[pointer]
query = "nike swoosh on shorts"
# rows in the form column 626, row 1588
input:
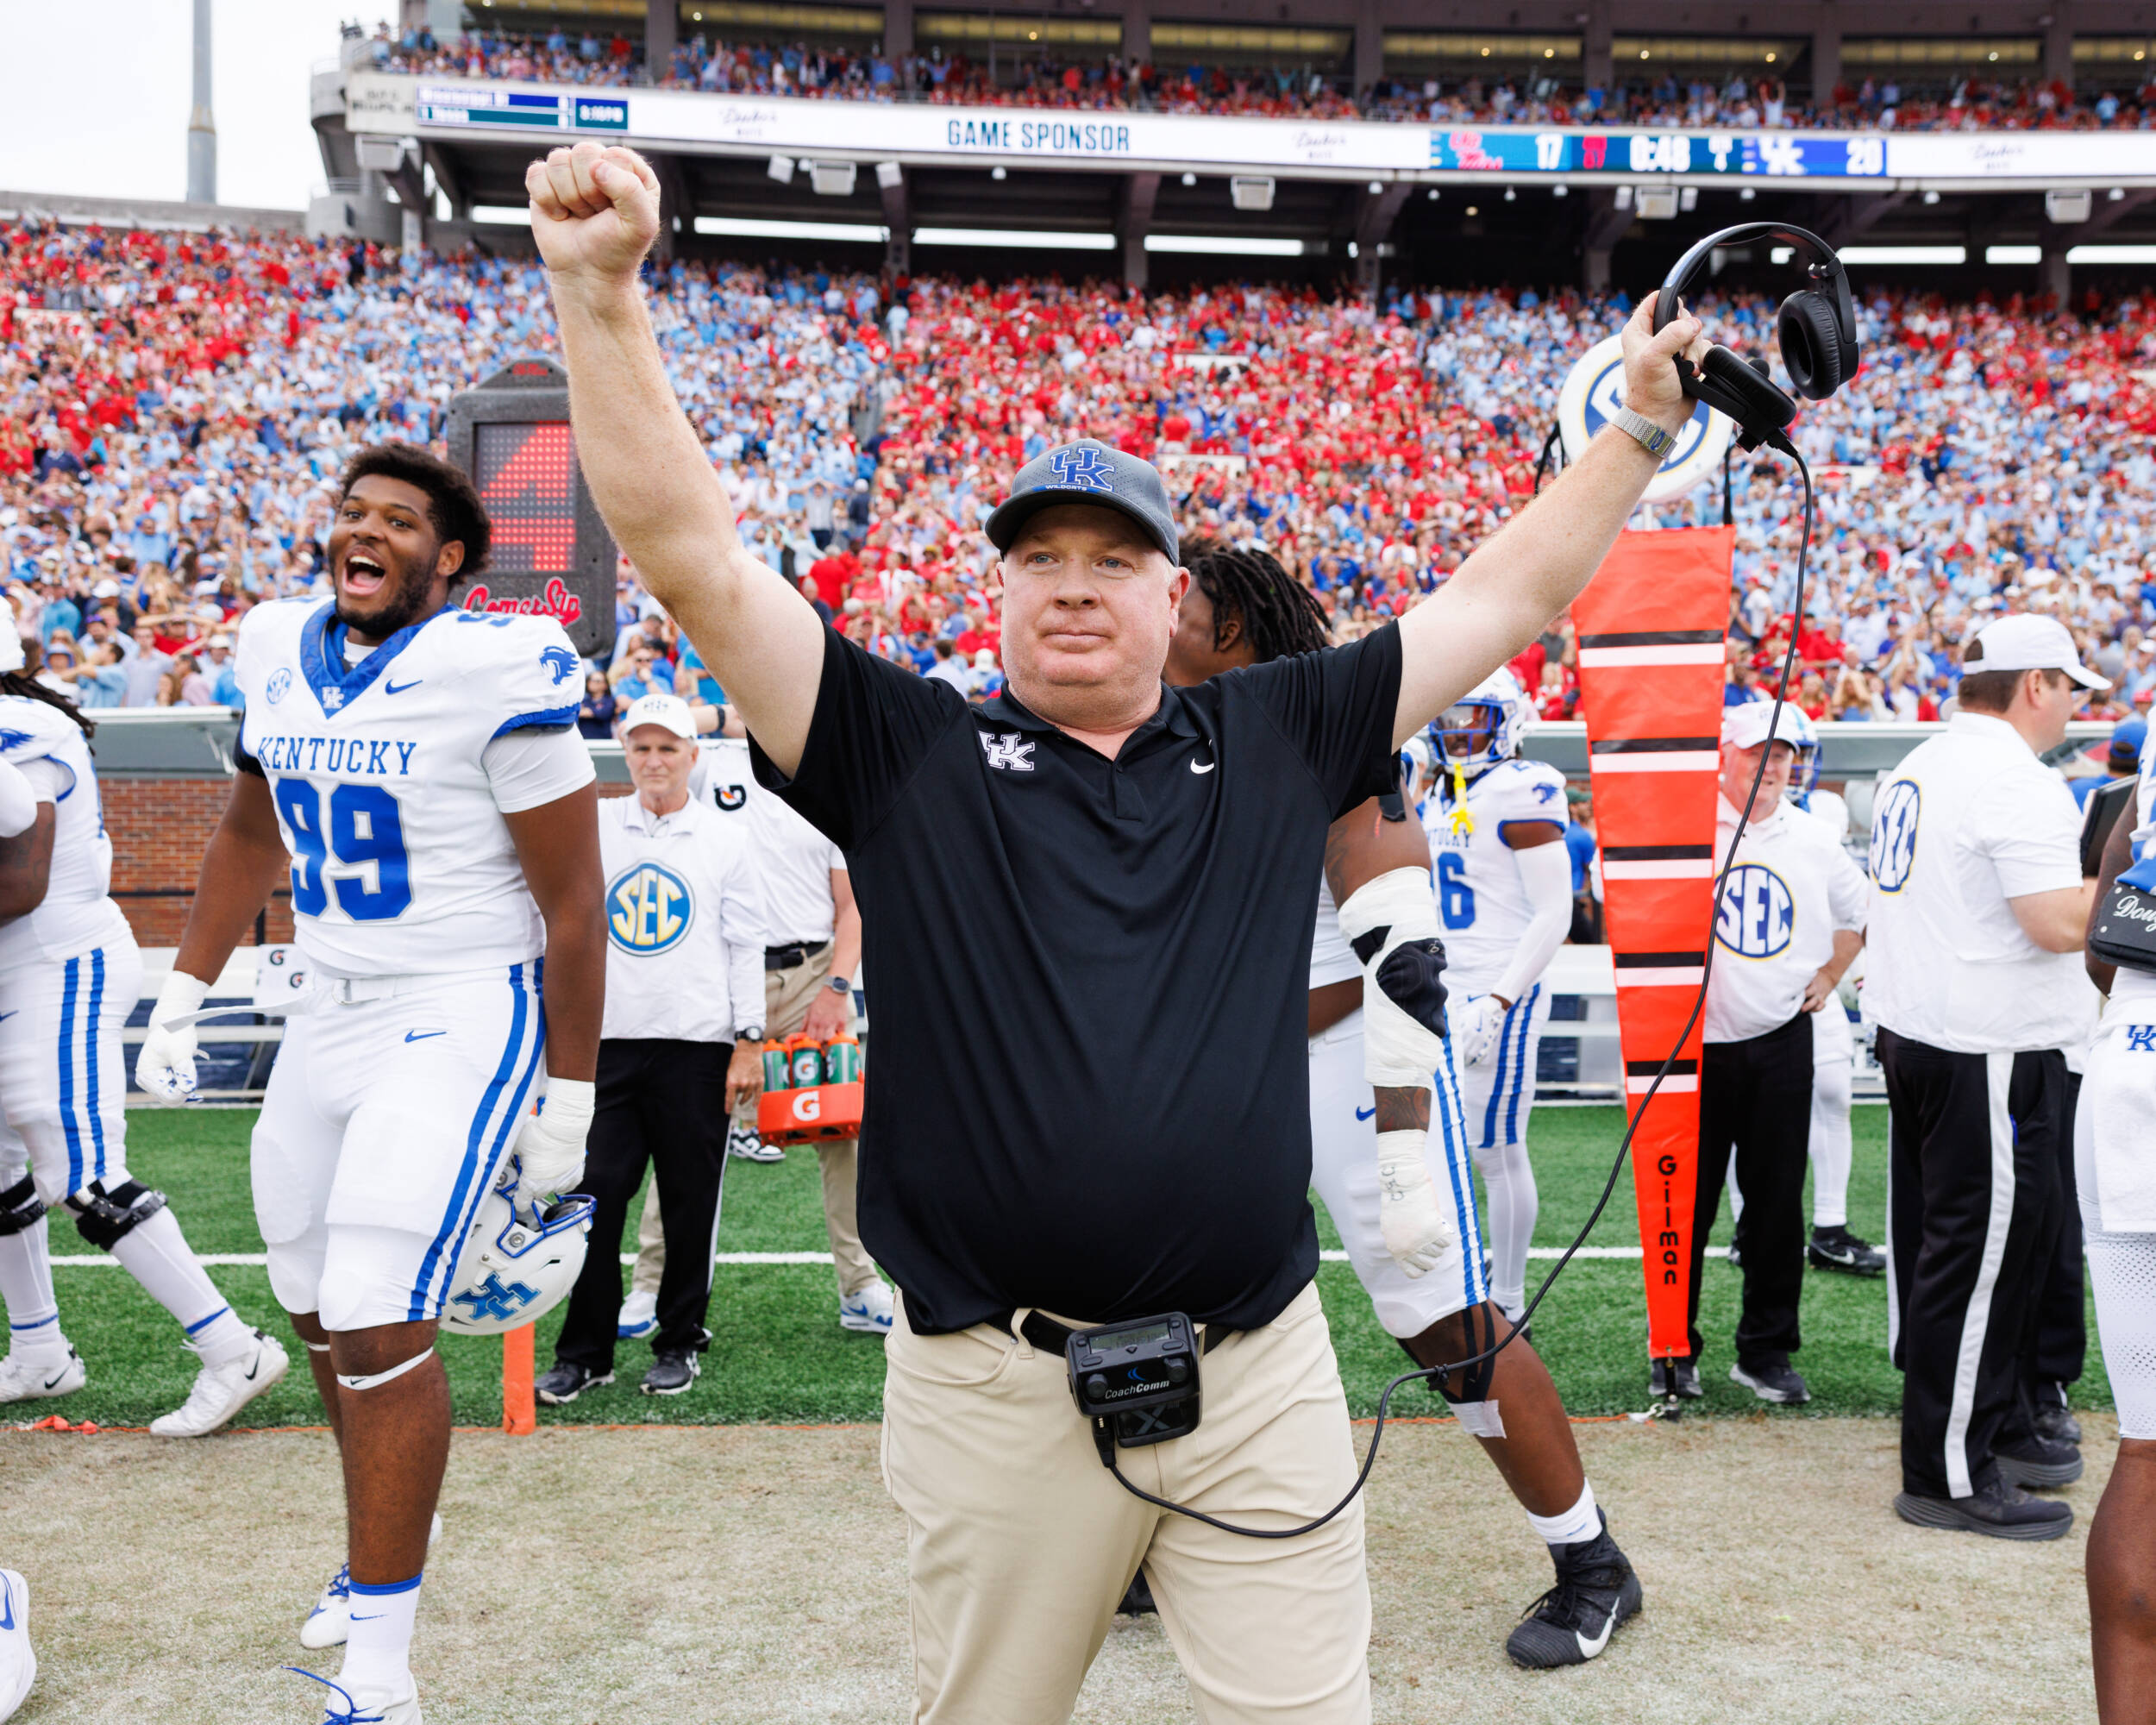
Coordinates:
column 421, row 1035
column 1207, row 767
column 1365, row 1114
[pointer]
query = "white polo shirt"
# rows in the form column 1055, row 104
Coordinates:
column 793, row 861
column 685, row 928
column 1791, row 886
column 1971, row 820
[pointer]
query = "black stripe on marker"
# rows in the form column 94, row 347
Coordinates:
column 1658, row 853
column 1652, row 745
column 1647, row 1069
column 1657, row 961
column 1655, row 637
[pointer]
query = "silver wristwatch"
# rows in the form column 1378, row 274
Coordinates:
column 1650, row 437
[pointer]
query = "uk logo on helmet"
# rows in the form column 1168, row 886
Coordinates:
column 493, row 1301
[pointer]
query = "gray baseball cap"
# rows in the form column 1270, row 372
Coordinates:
column 1087, row 471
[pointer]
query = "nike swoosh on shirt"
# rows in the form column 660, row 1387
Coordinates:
column 376, row 1618
column 5, row 1016
column 1207, row 767
column 1365, row 1114
column 389, row 688
column 421, row 1035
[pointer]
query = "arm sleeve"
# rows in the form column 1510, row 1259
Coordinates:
column 1336, row 709
column 18, row 802
column 874, row 726
column 745, row 934
column 529, row 767
column 1545, row 871
column 2031, row 830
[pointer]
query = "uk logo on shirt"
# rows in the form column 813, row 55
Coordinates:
column 1078, row 469
column 1008, row 752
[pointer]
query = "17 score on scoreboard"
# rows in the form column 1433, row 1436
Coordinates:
column 552, row 555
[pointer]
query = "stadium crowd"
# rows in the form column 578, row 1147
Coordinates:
column 1036, row 78
column 175, row 405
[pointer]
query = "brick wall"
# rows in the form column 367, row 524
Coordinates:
column 159, row 829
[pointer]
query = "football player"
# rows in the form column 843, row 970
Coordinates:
column 414, row 770
column 1393, row 1167
column 69, row 976
column 1496, row 825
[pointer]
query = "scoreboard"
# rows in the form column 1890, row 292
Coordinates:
column 552, row 554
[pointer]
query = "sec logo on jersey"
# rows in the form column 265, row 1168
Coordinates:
column 1893, row 835
column 280, row 684
column 649, row 909
column 1757, row 914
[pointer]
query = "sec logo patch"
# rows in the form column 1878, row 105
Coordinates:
column 280, row 685
column 649, row 909
column 1894, row 834
column 1757, row 914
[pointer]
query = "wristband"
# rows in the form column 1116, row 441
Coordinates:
column 178, row 1002
column 568, row 1100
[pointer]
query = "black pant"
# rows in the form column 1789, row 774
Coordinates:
column 2060, row 1346
column 1755, row 1097
column 664, row 1103
column 1972, row 1220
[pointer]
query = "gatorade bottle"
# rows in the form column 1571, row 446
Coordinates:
column 842, row 1060
column 777, row 1069
column 805, row 1060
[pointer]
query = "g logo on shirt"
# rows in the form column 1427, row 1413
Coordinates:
column 649, row 909
column 1893, row 835
column 280, row 685
column 730, row 796
column 1757, row 914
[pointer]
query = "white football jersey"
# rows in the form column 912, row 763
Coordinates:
column 76, row 913
column 1483, row 907
column 402, row 863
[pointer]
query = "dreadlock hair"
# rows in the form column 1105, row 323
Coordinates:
column 452, row 505
column 1280, row 615
column 24, row 684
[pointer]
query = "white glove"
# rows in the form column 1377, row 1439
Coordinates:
column 550, row 1148
column 1476, row 1025
column 165, row 1067
column 1418, row 1231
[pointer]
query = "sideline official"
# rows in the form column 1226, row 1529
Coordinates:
column 1977, row 909
column 1087, row 907
column 1787, row 919
column 685, row 940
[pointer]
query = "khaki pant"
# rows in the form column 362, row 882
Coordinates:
column 787, row 995
column 1020, row 1543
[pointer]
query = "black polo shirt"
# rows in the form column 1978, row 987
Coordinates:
column 1091, row 1083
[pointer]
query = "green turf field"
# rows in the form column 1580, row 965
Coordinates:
column 779, row 1356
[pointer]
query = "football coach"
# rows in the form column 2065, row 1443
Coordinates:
column 1087, row 909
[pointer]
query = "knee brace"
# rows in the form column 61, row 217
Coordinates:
column 104, row 1219
column 1391, row 923
column 20, row 1207
column 1470, row 1401
column 374, row 1380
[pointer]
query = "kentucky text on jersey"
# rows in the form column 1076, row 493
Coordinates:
column 352, row 756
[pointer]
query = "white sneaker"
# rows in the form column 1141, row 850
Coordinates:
column 399, row 1706
column 220, row 1391
column 25, row 1380
column 639, row 1315
column 329, row 1624
column 745, row 1144
column 869, row 1310
column 18, row 1662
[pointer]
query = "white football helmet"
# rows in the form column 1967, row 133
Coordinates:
column 1804, row 777
column 510, row 1270
column 1482, row 729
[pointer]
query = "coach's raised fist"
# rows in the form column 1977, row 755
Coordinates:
column 594, row 211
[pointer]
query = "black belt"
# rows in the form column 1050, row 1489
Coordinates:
column 1050, row 1337
column 786, row 957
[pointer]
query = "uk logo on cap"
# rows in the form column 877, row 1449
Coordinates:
column 1082, row 469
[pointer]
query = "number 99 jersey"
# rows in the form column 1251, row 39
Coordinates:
column 1482, row 904
column 391, row 776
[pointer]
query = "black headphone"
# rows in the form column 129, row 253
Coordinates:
column 1815, row 328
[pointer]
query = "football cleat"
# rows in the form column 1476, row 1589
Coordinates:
column 22, row 1379
column 18, row 1659
column 869, row 1310
column 366, row 1706
column 220, row 1391
column 1597, row 1590
column 1838, row 1249
column 639, row 1316
column 329, row 1623
column 514, row 1268
column 743, row 1145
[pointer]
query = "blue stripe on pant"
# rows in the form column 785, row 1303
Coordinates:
column 71, row 978
column 1452, row 1117
column 1513, row 1075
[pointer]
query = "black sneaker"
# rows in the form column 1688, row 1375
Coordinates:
column 1839, row 1249
column 1596, row 1590
column 1781, row 1383
column 672, row 1371
column 1998, row 1510
column 1137, row 1598
column 2054, row 1424
column 1669, row 1377
column 563, row 1382
column 2031, row 1460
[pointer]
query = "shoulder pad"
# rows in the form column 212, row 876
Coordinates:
column 29, row 729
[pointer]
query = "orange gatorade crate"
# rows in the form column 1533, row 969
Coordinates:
column 802, row 1116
